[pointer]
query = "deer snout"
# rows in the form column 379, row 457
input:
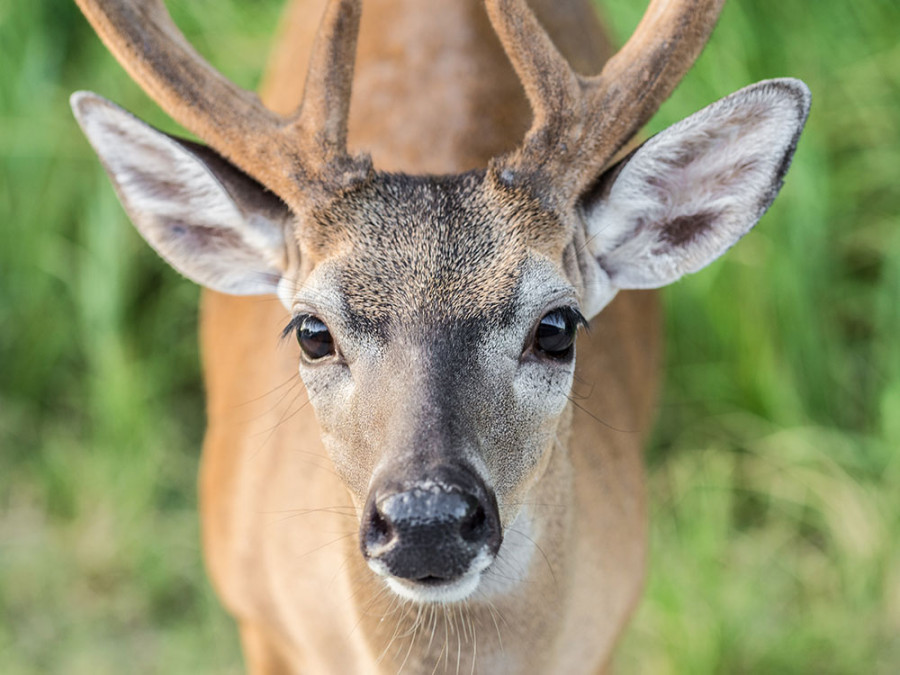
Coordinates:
column 432, row 532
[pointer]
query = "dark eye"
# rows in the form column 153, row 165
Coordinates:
column 314, row 338
column 555, row 334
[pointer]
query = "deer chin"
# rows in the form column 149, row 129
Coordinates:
column 437, row 591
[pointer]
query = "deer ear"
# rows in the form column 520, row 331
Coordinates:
column 689, row 193
column 211, row 222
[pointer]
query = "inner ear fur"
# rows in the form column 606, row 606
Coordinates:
column 210, row 221
column 686, row 195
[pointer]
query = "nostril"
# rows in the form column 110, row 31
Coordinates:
column 379, row 531
column 474, row 525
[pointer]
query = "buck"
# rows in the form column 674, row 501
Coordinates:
column 447, row 501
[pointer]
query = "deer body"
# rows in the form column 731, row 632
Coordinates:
column 449, row 500
column 284, row 576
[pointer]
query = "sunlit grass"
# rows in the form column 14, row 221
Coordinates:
column 774, row 474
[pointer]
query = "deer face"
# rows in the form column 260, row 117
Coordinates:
column 437, row 347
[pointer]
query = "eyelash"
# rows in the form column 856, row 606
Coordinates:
column 575, row 317
column 293, row 326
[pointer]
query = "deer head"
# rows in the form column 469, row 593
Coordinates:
column 437, row 315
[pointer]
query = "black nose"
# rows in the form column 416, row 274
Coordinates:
column 431, row 531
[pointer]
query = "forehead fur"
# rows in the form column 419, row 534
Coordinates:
column 431, row 249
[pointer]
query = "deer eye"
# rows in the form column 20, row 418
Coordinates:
column 555, row 334
column 314, row 338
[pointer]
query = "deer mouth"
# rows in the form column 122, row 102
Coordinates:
column 436, row 589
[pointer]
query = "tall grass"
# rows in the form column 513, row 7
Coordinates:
column 774, row 474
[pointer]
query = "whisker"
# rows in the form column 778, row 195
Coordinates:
column 433, row 627
column 437, row 661
column 293, row 380
column 284, row 417
column 474, row 640
column 348, row 509
column 326, row 544
column 458, row 644
column 492, row 610
column 603, row 422
column 306, row 512
column 541, row 550
column 548, row 505
column 412, row 639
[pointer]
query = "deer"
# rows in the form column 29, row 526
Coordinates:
column 406, row 467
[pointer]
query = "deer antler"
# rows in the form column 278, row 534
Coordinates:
column 274, row 150
column 581, row 122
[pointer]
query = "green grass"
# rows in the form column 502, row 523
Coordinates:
column 774, row 474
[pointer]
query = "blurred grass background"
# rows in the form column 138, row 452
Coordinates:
column 774, row 473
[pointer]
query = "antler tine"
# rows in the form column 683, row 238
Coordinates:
column 325, row 108
column 581, row 122
column 550, row 84
column 273, row 150
column 663, row 47
column 145, row 41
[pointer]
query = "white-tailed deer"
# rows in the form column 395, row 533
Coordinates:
column 446, row 502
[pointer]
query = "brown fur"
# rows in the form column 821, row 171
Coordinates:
column 420, row 246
